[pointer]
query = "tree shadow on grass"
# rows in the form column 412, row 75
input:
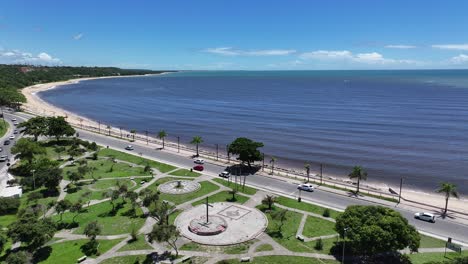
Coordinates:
column 65, row 225
column 90, row 248
column 42, row 254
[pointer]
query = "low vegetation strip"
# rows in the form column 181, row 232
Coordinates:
column 185, row 173
column 292, row 203
column 242, row 189
column 162, row 167
column 206, row 188
column 224, row 196
column 315, row 227
column 3, row 128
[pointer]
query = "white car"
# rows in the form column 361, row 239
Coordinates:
column 199, row 161
column 3, row 158
column 15, row 123
column 224, row 174
column 15, row 132
column 306, row 187
column 129, row 147
column 12, row 137
column 425, row 217
column 13, row 119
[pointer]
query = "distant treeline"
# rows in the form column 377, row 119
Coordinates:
column 19, row 76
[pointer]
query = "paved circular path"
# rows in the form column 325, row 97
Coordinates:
column 243, row 223
column 173, row 187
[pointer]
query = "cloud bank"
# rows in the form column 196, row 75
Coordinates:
column 228, row 51
column 18, row 57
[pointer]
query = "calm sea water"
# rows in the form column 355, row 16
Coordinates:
column 410, row 124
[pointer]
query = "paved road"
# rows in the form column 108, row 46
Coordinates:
column 443, row 228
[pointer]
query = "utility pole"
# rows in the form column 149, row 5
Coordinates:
column 146, row 133
column 263, row 161
column 216, row 152
column 207, row 206
column 178, row 144
column 120, row 128
column 99, row 127
column 344, row 241
column 229, row 156
column 401, row 185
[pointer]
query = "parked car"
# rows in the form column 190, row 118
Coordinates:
column 425, row 217
column 306, row 187
column 15, row 123
column 199, row 161
column 224, row 174
column 13, row 119
column 1, row 149
column 3, row 158
column 15, row 132
column 6, row 142
column 12, row 137
column 198, row 168
column 129, row 147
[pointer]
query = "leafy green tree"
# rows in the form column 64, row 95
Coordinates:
column 160, row 210
column 196, row 140
column 133, row 197
column 358, row 173
column 74, row 152
column 133, row 131
column 59, row 150
column 50, row 178
column 246, row 149
column 59, row 127
column 165, row 233
column 9, row 205
column 371, row 230
column 10, row 96
column 162, row 135
column 26, row 149
column 113, row 195
column 92, row 230
column 148, row 196
column 3, row 241
column 32, row 231
column 74, row 176
column 76, row 209
column 450, row 190
column 269, row 200
column 36, row 126
column 61, row 207
column 19, row 257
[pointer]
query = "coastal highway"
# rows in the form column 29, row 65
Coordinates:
column 443, row 227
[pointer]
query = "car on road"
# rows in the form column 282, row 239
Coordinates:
column 6, row 142
column 15, row 123
column 3, row 158
column 198, row 168
column 13, row 119
column 425, row 217
column 199, row 161
column 1, row 149
column 12, row 137
column 306, row 187
column 15, row 132
column 224, row 174
column 129, row 147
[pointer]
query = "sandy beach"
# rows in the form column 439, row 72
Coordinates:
column 38, row 106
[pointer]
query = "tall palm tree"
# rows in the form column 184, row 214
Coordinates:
column 449, row 189
column 360, row 174
column 272, row 161
column 133, row 131
column 161, row 135
column 307, row 167
column 197, row 140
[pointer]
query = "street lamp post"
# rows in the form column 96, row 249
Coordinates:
column 178, row 144
column 216, row 152
column 344, row 241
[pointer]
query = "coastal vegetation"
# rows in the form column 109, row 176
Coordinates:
column 358, row 173
column 3, row 128
column 449, row 190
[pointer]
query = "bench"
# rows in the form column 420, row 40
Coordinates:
column 185, row 259
column 300, row 238
column 83, row 258
column 245, row 259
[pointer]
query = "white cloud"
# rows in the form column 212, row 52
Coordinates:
column 400, row 47
column 228, row 51
column 349, row 57
column 451, row 46
column 460, row 59
column 18, row 57
column 78, row 36
column 327, row 54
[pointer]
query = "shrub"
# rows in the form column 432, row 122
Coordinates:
column 326, row 212
column 9, row 205
column 318, row 244
column 95, row 156
column 147, row 168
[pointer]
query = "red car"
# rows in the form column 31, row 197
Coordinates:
column 198, row 168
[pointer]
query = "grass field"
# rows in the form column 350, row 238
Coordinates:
column 70, row 251
column 206, row 188
column 224, row 196
column 140, row 243
column 185, row 173
column 264, row 247
column 315, row 227
column 97, row 189
column 420, row 258
column 292, row 203
column 283, row 260
column 126, row 260
column 247, row 190
column 106, row 168
column 174, row 215
column 162, row 167
column 430, row 242
column 3, row 128
column 120, row 223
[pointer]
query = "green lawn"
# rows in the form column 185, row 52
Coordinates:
column 6, row 220
column 25, row 202
column 206, row 187
column 293, row 203
column 233, row 249
column 70, row 251
column 430, row 242
column 420, row 258
column 284, row 259
column 126, row 260
column 185, row 172
column 162, row 167
column 315, row 227
column 174, row 215
column 111, row 225
column 140, row 243
column 3, row 128
column 97, row 189
column 223, row 196
column 264, row 247
column 287, row 236
column 247, row 190
column 106, row 168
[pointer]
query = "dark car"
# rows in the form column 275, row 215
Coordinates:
column 198, row 168
column 6, row 142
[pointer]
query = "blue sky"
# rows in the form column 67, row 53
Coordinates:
column 240, row 34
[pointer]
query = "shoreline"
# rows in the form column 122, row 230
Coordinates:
column 37, row 105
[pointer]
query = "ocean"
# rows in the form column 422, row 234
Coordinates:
column 396, row 124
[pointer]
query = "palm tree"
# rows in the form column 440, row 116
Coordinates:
column 108, row 129
column 449, row 189
column 307, row 167
column 161, row 135
column 272, row 161
column 269, row 200
column 133, row 131
column 197, row 140
column 360, row 174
